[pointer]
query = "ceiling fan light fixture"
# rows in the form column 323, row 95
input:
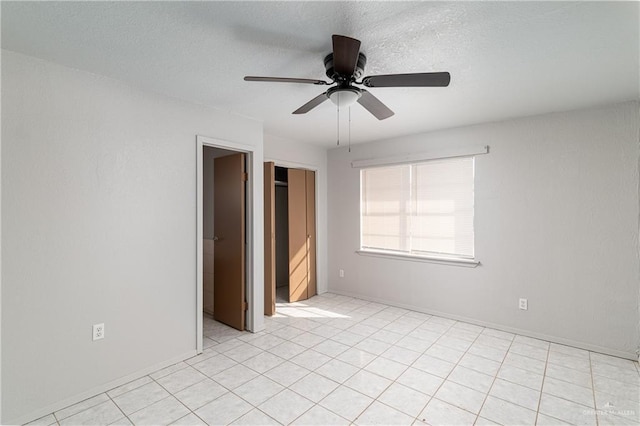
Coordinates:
column 344, row 97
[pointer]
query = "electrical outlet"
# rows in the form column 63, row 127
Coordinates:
column 98, row 331
column 523, row 304
column 341, row 273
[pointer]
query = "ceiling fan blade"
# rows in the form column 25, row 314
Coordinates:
column 285, row 80
column 425, row 79
column 345, row 54
column 374, row 106
column 311, row 104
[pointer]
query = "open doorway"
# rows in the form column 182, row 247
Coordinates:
column 290, row 235
column 224, row 239
column 224, row 225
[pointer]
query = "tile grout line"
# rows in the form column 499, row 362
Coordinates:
column 394, row 381
column 81, row 411
column 591, row 376
column 118, row 407
column 544, row 376
column 593, row 391
column 207, row 377
column 172, row 395
column 445, row 378
column 193, row 384
column 231, row 391
column 495, row 377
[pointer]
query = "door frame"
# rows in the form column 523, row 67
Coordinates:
column 250, row 232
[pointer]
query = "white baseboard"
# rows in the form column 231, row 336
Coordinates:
column 555, row 339
column 36, row 414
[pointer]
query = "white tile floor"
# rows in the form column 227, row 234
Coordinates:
column 336, row 360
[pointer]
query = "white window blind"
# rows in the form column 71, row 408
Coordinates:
column 421, row 209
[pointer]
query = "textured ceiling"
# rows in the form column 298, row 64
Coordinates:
column 506, row 59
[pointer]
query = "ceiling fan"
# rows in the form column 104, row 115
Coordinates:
column 344, row 66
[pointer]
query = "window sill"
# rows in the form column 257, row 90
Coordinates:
column 468, row 263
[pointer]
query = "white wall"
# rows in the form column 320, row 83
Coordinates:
column 556, row 221
column 99, row 225
column 288, row 153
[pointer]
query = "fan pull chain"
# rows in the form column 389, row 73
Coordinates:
column 338, row 121
column 349, row 129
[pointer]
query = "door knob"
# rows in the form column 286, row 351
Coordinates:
column 215, row 238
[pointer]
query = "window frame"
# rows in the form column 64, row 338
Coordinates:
column 431, row 257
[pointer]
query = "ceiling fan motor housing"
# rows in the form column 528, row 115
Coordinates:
column 333, row 75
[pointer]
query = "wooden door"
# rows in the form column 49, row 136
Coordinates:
column 298, row 259
column 311, row 231
column 229, row 229
column 269, row 239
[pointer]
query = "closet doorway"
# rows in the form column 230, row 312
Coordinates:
column 290, row 235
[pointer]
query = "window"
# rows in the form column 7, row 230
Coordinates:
column 422, row 209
